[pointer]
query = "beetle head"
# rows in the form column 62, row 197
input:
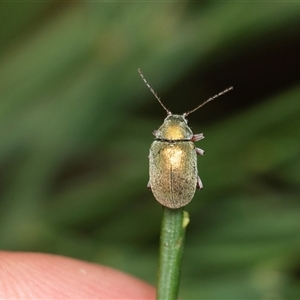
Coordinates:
column 174, row 128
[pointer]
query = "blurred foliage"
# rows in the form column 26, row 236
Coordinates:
column 76, row 122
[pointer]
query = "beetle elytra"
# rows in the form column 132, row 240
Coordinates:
column 173, row 158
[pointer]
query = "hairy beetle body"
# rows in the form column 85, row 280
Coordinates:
column 173, row 163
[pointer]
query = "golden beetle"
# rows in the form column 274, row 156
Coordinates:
column 173, row 158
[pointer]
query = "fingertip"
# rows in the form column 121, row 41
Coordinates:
column 35, row 275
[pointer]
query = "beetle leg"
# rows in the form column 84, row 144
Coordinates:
column 199, row 184
column 148, row 185
column 199, row 151
column 197, row 137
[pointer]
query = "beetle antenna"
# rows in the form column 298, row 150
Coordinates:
column 208, row 100
column 153, row 92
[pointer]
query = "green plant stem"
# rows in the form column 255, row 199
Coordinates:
column 174, row 222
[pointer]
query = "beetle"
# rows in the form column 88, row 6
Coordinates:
column 173, row 158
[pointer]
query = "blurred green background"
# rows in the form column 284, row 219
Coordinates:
column 76, row 122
